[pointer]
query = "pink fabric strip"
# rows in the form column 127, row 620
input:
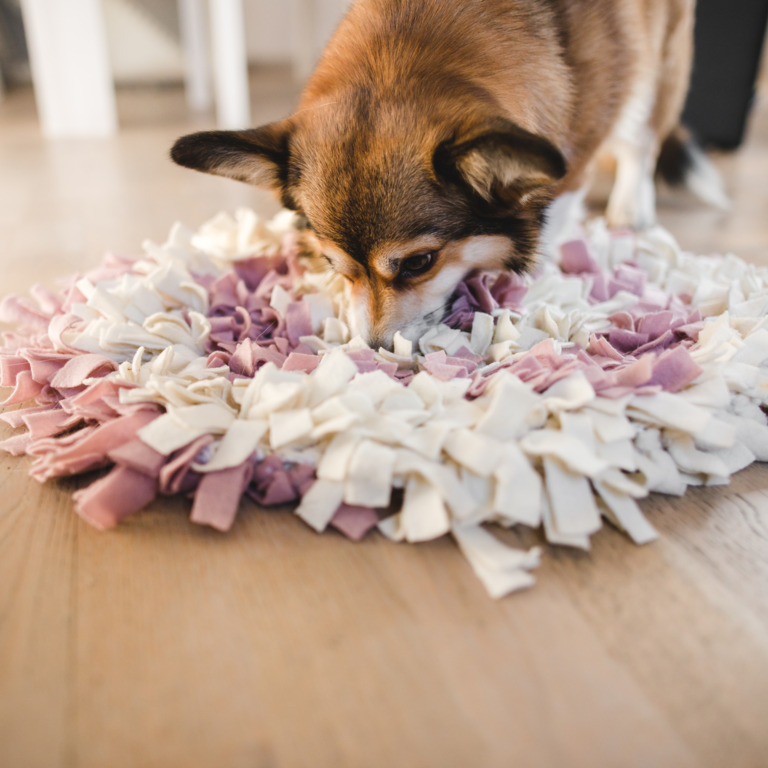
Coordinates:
column 354, row 522
column 112, row 498
column 218, row 496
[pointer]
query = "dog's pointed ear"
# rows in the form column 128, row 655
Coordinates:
column 258, row 156
column 500, row 162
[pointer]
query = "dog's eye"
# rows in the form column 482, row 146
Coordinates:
column 417, row 264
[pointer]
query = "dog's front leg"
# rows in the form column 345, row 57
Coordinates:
column 633, row 198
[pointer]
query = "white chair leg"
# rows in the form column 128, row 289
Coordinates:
column 70, row 67
column 193, row 22
column 230, row 64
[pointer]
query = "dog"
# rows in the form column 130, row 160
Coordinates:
column 438, row 137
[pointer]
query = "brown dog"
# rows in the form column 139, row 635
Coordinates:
column 435, row 135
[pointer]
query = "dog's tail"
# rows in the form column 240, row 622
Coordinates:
column 682, row 163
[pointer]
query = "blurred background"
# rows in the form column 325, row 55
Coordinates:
column 145, row 38
column 153, row 43
column 94, row 92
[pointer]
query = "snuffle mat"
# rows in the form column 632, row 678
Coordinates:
column 217, row 366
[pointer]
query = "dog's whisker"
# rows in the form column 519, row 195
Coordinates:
column 436, row 315
column 316, row 107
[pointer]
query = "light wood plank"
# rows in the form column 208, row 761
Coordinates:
column 37, row 641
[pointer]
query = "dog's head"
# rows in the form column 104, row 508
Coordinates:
column 403, row 209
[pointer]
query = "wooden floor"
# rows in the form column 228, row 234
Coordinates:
column 162, row 644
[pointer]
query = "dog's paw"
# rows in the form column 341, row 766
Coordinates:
column 632, row 208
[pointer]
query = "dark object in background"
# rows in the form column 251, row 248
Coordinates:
column 14, row 61
column 728, row 45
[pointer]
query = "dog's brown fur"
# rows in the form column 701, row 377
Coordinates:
column 446, row 127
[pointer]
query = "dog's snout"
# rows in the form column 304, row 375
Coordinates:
column 377, row 341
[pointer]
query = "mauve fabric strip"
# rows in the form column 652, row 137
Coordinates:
column 218, row 497
column 114, row 497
